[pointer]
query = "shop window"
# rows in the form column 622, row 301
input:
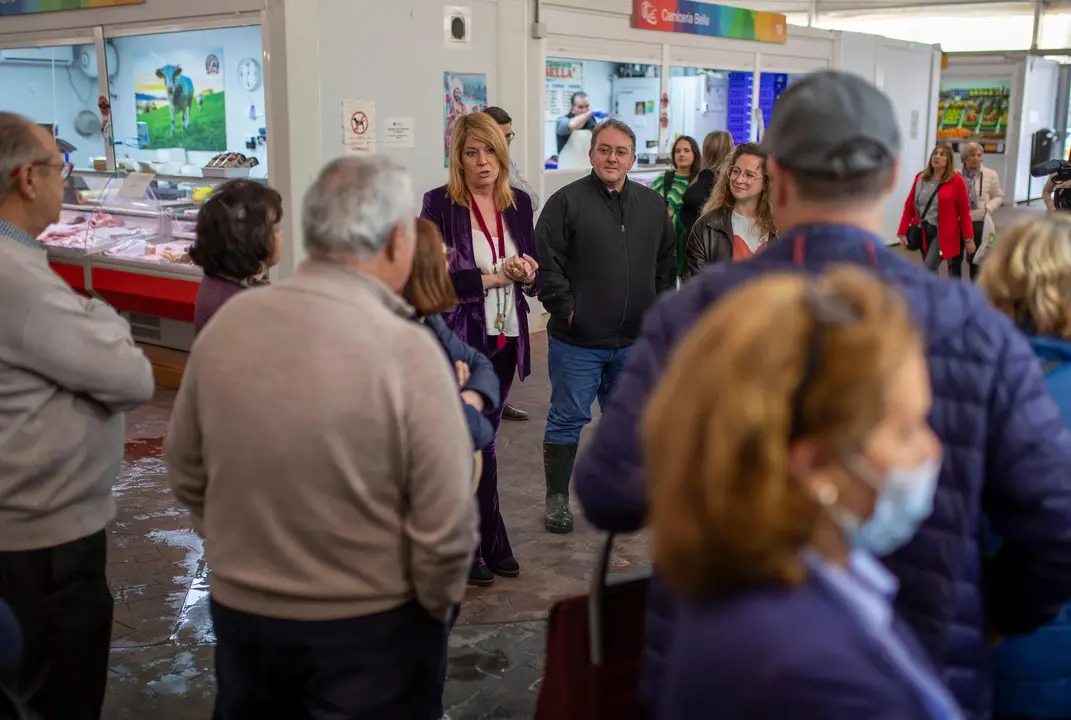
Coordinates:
column 624, row 91
column 56, row 86
column 190, row 103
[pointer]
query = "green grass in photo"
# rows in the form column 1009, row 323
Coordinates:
column 207, row 131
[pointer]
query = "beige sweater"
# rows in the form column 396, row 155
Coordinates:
column 319, row 441
column 68, row 370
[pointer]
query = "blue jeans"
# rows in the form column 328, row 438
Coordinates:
column 577, row 377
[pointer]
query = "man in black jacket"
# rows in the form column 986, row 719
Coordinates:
column 607, row 249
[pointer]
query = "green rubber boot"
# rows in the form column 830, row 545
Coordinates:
column 558, row 467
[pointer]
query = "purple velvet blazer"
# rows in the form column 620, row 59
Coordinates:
column 468, row 319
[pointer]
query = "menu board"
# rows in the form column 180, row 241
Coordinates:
column 564, row 77
column 974, row 111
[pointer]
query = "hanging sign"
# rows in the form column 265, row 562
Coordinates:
column 32, row 7
column 703, row 18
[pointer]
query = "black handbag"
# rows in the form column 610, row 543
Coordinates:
column 914, row 233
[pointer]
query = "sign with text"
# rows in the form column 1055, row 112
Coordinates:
column 703, row 18
column 32, row 7
column 564, row 77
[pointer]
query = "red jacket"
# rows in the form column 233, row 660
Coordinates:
column 953, row 216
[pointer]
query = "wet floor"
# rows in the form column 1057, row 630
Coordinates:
column 162, row 639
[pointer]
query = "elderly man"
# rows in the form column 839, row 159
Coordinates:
column 986, row 195
column 833, row 153
column 325, row 459
column 68, row 370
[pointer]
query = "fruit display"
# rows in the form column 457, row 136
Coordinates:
column 978, row 113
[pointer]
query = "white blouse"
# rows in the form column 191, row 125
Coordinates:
column 497, row 300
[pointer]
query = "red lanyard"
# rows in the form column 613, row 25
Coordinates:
column 799, row 252
column 490, row 241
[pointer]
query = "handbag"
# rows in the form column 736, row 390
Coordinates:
column 595, row 649
column 985, row 243
column 914, row 233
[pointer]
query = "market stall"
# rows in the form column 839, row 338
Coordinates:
column 722, row 71
column 153, row 116
column 999, row 100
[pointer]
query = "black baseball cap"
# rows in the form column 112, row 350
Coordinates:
column 834, row 124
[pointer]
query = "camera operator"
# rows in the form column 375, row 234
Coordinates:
column 1055, row 193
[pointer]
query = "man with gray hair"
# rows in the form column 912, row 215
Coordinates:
column 607, row 249
column 319, row 442
column 68, row 371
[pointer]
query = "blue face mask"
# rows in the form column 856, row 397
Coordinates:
column 903, row 504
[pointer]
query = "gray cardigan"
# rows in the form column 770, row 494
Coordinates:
column 68, row 370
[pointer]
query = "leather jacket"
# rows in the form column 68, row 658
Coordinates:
column 709, row 241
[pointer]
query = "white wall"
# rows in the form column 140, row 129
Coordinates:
column 1038, row 111
column 910, row 74
column 50, row 94
column 237, row 44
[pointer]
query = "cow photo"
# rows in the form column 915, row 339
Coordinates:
column 180, row 100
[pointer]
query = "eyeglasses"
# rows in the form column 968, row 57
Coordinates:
column 750, row 176
column 606, row 151
column 510, row 135
column 64, row 168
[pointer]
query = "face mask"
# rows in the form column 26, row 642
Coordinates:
column 903, row 504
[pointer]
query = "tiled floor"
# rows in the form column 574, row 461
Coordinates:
column 162, row 637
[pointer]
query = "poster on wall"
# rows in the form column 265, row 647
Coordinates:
column 180, row 101
column 974, row 111
column 32, row 7
column 359, row 126
column 463, row 93
column 564, row 77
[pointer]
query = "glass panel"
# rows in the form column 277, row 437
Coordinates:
column 57, row 86
column 190, row 103
column 1055, row 30
column 702, row 101
column 624, row 91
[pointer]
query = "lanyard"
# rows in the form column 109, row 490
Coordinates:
column 487, row 233
column 799, row 252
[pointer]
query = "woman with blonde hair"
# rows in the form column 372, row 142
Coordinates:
column 717, row 146
column 937, row 213
column 737, row 220
column 787, row 446
column 1027, row 276
column 489, row 235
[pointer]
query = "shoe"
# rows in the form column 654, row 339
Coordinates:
column 481, row 577
column 509, row 568
column 511, row 413
column 558, row 468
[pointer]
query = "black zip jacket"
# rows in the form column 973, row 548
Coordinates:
column 604, row 258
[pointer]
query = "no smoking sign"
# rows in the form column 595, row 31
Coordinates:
column 358, row 126
column 359, row 123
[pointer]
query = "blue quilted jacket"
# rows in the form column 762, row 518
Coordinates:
column 1007, row 454
column 1033, row 672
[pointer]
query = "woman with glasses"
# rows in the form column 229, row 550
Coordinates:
column 737, row 221
column 488, row 230
column 938, row 209
column 817, row 392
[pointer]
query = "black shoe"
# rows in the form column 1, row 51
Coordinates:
column 481, row 577
column 558, row 467
column 507, row 568
column 511, row 413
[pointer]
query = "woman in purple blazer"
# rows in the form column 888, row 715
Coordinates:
column 488, row 230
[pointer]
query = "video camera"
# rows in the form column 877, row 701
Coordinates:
column 1060, row 171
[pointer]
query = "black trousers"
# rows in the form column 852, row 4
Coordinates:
column 375, row 667
column 955, row 265
column 60, row 596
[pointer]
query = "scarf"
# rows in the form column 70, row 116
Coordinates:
column 971, row 176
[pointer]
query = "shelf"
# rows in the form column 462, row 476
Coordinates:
column 128, row 212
